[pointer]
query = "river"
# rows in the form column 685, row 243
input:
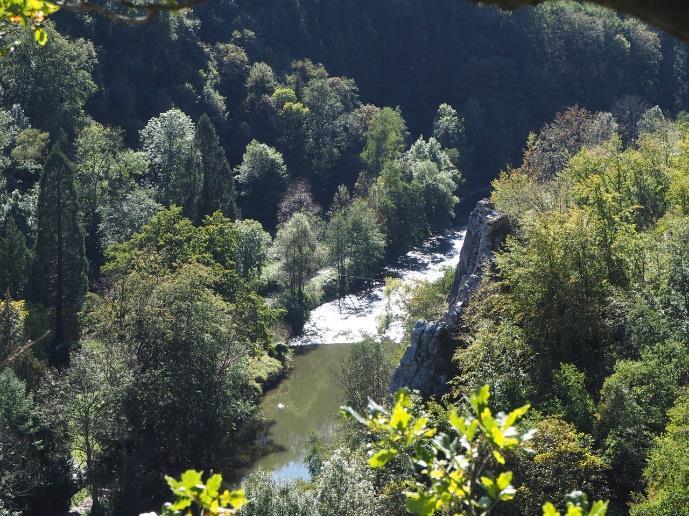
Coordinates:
column 308, row 399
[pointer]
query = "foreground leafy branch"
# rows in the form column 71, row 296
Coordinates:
column 453, row 471
column 194, row 496
column 33, row 14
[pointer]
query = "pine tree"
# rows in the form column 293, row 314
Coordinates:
column 218, row 191
column 14, row 260
column 58, row 276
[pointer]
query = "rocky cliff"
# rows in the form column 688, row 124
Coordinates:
column 427, row 362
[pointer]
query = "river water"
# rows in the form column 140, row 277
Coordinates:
column 307, row 401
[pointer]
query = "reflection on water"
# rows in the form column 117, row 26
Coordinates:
column 306, row 401
column 309, row 398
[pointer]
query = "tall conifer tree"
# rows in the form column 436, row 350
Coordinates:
column 58, row 276
column 218, row 193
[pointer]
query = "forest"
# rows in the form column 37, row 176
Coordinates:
column 178, row 196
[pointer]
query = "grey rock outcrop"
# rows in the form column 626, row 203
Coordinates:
column 427, row 362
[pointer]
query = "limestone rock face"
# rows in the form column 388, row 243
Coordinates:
column 427, row 362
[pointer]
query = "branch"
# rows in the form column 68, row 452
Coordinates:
column 151, row 10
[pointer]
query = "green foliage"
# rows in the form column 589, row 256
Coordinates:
column 34, row 468
column 366, row 372
column 253, row 244
column 343, row 486
column 94, row 391
column 667, row 470
column 52, row 83
column 191, row 388
column 558, row 284
column 203, row 498
column 262, row 178
column 218, row 192
column 384, row 140
column 170, row 241
column 295, row 248
column 15, row 258
column 433, row 174
column 449, row 130
column 633, row 405
column 105, row 173
column 400, row 205
column 570, row 400
column 452, row 471
column 58, row 274
column 411, row 301
column 452, row 465
column 562, row 460
column 26, row 14
column 355, row 242
column 176, row 167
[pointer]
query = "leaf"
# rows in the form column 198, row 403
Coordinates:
column 40, row 36
column 480, row 398
column 457, row 422
column 504, row 479
column 422, row 504
column 498, row 456
column 181, row 504
column 382, row 457
column 550, row 510
column 213, row 483
column 237, row 498
column 600, row 508
column 516, row 414
column 400, row 417
column 191, row 478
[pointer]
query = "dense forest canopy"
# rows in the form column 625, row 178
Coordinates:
column 175, row 199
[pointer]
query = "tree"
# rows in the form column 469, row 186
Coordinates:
column 633, row 407
column 35, row 476
column 15, row 258
column 12, row 320
column 94, row 391
column 58, row 274
column 55, row 86
column 120, row 221
column 401, row 207
column 295, row 247
column 190, row 390
column 253, row 244
column 570, row 400
column 297, row 199
column 337, row 235
column 168, row 141
column 429, row 169
column 384, row 140
column 218, row 192
column 667, row 470
column 104, row 173
column 365, row 242
column 550, row 150
column 448, row 129
column 564, row 460
column 262, row 178
column 366, row 373
column 324, row 140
